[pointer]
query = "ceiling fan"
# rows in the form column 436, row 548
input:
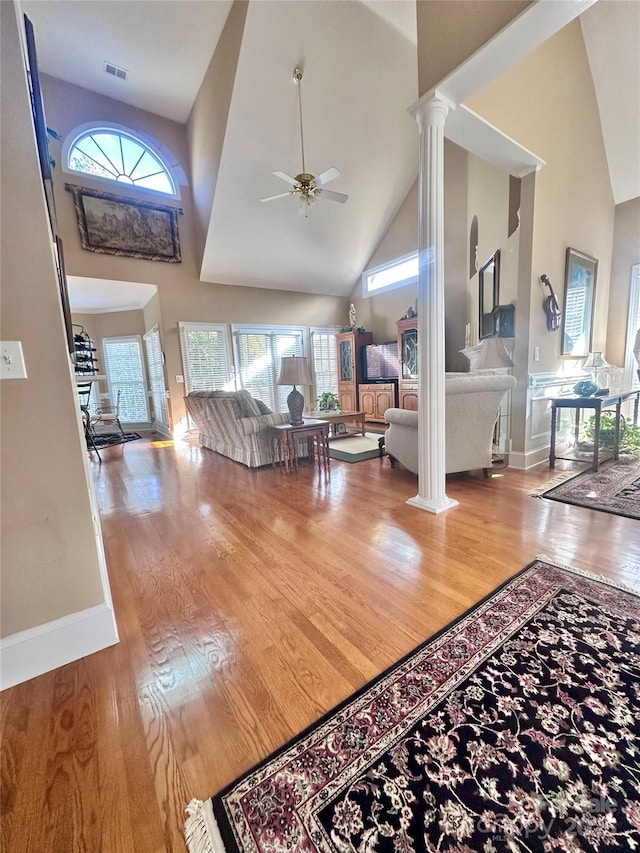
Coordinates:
column 306, row 187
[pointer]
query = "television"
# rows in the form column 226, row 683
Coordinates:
column 380, row 361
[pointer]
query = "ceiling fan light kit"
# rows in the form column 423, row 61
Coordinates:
column 305, row 186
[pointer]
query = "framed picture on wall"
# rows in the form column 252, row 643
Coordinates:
column 581, row 272
column 489, row 288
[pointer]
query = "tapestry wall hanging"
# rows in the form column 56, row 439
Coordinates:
column 113, row 225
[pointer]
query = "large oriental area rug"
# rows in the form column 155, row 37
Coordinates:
column 517, row 728
column 614, row 488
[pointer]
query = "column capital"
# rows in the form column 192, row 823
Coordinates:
column 432, row 108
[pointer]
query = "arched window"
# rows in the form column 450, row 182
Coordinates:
column 115, row 155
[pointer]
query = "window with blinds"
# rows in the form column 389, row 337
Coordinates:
column 125, row 373
column 631, row 363
column 258, row 351
column 205, row 356
column 325, row 366
column 155, row 370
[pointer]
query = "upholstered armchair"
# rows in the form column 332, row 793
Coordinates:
column 472, row 404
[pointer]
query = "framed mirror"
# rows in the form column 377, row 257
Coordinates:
column 580, row 276
column 489, row 282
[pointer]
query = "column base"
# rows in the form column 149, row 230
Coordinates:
column 434, row 506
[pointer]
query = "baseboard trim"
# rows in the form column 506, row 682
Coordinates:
column 35, row 651
column 524, row 461
column 163, row 430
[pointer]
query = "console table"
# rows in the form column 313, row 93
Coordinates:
column 598, row 404
column 286, row 437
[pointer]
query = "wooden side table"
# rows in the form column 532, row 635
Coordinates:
column 286, row 438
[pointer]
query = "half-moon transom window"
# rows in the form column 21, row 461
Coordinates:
column 118, row 156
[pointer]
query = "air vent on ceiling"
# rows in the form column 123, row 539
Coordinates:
column 110, row 68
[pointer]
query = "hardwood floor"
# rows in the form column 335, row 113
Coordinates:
column 248, row 604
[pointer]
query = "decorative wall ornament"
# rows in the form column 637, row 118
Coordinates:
column 474, row 264
column 114, row 225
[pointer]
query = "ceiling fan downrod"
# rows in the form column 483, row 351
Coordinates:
column 297, row 76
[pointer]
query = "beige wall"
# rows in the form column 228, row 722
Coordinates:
column 208, row 120
column 449, row 31
column 626, row 253
column 50, row 562
column 181, row 295
column 488, row 199
column 378, row 314
column 547, row 103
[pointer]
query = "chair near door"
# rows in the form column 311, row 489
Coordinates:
column 107, row 415
column 84, row 395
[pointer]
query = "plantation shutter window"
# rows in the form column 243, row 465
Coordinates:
column 125, row 373
column 325, row 365
column 155, row 370
column 258, row 352
column 205, row 356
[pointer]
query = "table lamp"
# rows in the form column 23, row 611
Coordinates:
column 294, row 370
column 493, row 354
column 595, row 362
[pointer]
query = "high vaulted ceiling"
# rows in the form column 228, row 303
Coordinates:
column 360, row 76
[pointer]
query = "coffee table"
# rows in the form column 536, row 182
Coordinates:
column 341, row 424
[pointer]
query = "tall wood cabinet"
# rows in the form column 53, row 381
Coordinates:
column 408, row 355
column 350, row 367
column 375, row 399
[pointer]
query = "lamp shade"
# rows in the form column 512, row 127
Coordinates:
column 294, row 370
column 492, row 355
column 595, row 360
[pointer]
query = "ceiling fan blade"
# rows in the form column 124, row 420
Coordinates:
column 283, row 176
column 327, row 176
column 274, row 197
column 331, row 196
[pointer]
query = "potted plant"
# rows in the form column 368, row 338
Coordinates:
column 328, row 401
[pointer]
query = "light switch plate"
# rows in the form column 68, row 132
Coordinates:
column 12, row 364
column 179, row 378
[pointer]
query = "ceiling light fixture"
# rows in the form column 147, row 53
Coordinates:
column 306, row 187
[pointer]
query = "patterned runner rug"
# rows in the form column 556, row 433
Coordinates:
column 111, row 439
column 614, row 488
column 516, row 728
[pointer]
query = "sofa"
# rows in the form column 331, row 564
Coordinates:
column 472, row 403
column 235, row 425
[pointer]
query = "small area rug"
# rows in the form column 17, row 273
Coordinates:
column 516, row 728
column 110, row 439
column 355, row 449
column 614, row 488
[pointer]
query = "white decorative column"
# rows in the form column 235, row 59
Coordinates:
column 431, row 114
